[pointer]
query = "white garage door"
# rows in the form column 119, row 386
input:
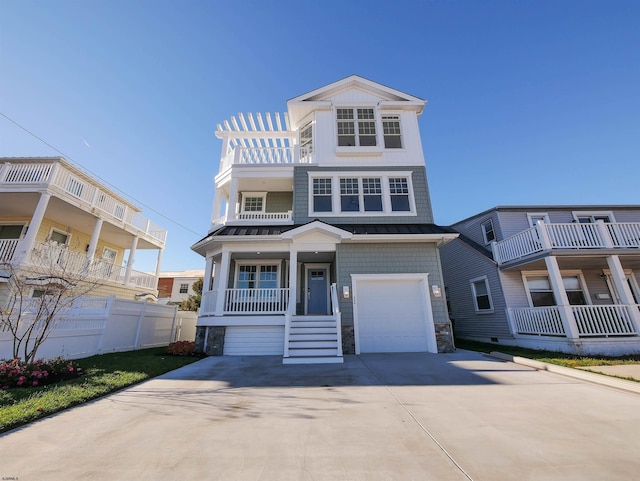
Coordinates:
column 393, row 313
column 253, row 340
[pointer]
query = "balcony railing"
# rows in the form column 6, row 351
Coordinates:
column 59, row 259
column 268, row 216
column 90, row 195
column 544, row 237
column 591, row 321
column 266, row 156
column 8, row 249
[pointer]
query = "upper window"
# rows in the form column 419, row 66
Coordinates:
column 184, row 288
column 253, row 201
column 356, row 127
column 11, row 231
column 58, row 236
column 488, row 232
column 534, row 218
column 377, row 193
column 391, row 131
column 306, row 140
column 481, row 295
column 593, row 217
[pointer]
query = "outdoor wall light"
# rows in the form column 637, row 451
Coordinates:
column 436, row 291
column 345, row 292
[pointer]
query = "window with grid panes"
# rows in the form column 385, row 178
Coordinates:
column 322, row 195
column 391, row 131
column 372, row 194
column 399, row 193
column 253, row 204
column 364, row 135
column 349, row 195
column 184, row 288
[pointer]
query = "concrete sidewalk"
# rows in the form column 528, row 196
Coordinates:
column 376, row 417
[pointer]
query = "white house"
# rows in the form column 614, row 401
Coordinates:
column 176, row 287
column 322, row 236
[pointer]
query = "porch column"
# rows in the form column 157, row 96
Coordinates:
column 217, row 205
column 208, row 272
column 158, row 263
column 223, row 275
column 132, row 259
column 26, row 245
column 559, row 292
column 233, row 200
column 293, row 280
column 93, row 243
column 619, row 279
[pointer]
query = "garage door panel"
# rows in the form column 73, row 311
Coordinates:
column 392, row 315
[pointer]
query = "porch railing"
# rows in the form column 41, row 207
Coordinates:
column 591, row 321
column 335, row 308
column 619, row 235
column 270, row 216
column 270, row 300
column 606, row 320
column 8, row 249
column 266, row 156
column 544, row 321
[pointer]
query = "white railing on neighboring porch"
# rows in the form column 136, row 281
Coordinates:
column 7, row 249
column 544, row 237
column 544, row 321
column 256, row 301
column 609, row 320
column 591, row 321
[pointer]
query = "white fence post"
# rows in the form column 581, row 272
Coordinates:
column 140, row 319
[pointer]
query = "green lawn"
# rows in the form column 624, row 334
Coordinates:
column 103, row 374
column 567, row 360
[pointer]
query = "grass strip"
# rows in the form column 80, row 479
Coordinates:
column 559, row 358
column 104, row 374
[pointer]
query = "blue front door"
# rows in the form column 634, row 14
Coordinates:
column 317, row 291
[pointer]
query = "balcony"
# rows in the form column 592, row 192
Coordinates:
column 58, row 259
column 547, row 237
column 246, row 301
column 28, row 176
column 263, row 156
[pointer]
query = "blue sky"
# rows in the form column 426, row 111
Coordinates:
column 529, row 102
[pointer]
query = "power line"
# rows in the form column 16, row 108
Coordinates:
column 81, row 167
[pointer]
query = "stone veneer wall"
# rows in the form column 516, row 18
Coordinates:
column 210, row 340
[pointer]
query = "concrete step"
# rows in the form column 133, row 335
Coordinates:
column 314, row 336
column 320, row 344
column 312, row 318
column 313, row 324
column 313, row 360
column 319, row 352
column 313, row 330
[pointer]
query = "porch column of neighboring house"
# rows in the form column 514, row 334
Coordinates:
column 208, row 271
column 233, row 200
column 293, row 280
column 26, row 245
column 559, row 292
column 158, row 263
column 93, row 243
column 132, row 259
column 222, row 277
column 619, row 279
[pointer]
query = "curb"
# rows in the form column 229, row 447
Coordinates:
column 602, row 379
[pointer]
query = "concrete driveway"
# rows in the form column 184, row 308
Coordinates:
column 376, row 417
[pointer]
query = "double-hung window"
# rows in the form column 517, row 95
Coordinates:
column 399, row 192
column 322, row 195
column 356, row 127
column 481, row 295
column 372, row 194
column 257, row 276
column 184, row 288
column 349, row 195
column 487, row 232
column 391, row 131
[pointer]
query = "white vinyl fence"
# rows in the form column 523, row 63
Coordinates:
column 102, row 325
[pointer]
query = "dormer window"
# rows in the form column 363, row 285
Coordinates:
column 356, row 127
column 487, row 232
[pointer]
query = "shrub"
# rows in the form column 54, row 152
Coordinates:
column 182, row 348
column 16, row 373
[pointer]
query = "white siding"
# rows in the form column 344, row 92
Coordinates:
column 254, row 340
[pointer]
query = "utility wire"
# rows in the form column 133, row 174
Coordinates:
column 87, row 171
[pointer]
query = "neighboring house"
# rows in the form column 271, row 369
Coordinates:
column 176, row 287
column 46, row 201
column 561, row 278
column 322, row 237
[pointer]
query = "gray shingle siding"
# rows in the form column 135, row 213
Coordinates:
column 420, row 188
column 461, row 263
column 279, row 201
column 398, row 258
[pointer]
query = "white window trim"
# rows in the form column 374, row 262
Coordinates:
column 484, row 234
column 475, row 296
column 563, row 273
column 262, row 195
column 104, row 249
column 68, row 234
column 386, row 196
column 531, row 215
column 265, row 262
column 586, row 213
column 399, row 117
